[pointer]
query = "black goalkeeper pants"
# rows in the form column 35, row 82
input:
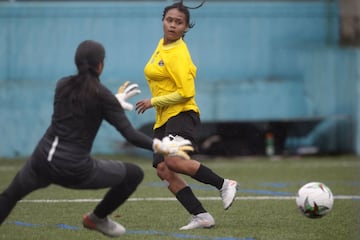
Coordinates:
column 122, row 179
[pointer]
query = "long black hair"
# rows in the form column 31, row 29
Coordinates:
column 83, row 86
column 184, row 9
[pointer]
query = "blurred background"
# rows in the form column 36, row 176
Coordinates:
column 274, row 77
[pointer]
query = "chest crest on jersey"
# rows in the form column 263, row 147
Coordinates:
column 161, row 63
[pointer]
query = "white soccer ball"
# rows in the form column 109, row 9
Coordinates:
column 314, row 200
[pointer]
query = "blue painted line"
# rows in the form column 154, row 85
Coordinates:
column 136, row 232
column 64, row 226
column 267, row 192
column 24, row 224
column 275, row 184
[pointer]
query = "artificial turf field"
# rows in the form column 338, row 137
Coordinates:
column 264, row 209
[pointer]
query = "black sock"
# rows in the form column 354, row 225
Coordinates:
column 207, row 176
column 189, row 201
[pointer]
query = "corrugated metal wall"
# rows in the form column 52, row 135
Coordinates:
column 256, row 60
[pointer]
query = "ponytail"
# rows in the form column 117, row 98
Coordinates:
column 84, row 86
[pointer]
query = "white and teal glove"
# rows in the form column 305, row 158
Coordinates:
column 125, row 92
column 173, row 146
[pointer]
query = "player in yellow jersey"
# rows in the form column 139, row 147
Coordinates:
column 170, row 74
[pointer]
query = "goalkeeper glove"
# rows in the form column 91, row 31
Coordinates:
column 173, row 146
column 125, row 92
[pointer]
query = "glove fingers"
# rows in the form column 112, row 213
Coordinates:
column 181, row 154
column 123, row 87
column 132, row 93
column 184, row 142
column 186, row 148
column 131, row 87
column 179, row 141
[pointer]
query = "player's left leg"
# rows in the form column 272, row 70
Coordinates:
column 123, row 179
column 119, row 193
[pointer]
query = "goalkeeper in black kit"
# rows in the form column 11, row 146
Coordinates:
column 62, row 155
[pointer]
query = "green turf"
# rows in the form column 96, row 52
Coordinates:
column 247, row 219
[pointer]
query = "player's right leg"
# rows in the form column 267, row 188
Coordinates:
column 227, row 188
column 177, row 185
column 25, row 182
column 228, row 192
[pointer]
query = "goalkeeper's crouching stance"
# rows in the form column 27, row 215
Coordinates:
column 62, row 155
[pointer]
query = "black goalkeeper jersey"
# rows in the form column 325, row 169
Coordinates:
column 67, row 143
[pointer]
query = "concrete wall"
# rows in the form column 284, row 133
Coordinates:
column 256, row 60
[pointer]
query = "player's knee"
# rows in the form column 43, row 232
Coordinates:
column 174, row 164
column 134, row 173
column 162, row 171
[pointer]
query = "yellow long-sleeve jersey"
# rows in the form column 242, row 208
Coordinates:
column 170, row 74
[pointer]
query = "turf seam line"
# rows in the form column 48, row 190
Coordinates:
column 342, row 197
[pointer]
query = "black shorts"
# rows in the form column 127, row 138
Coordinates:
column 185, row 124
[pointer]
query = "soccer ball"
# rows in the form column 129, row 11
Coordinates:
column 314, row 200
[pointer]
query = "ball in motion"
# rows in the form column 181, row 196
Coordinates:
column 314, row 200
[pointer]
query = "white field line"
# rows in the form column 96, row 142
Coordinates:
column 343, row 197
